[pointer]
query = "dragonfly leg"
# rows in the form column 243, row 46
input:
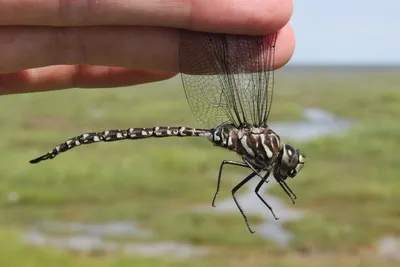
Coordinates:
column 254, row 169
column 236, row 188
column 260, row 197
column 287, row 190
column 231, row 162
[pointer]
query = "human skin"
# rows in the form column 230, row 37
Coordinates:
column 51, row 45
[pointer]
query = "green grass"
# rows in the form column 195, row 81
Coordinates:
column 349, row 188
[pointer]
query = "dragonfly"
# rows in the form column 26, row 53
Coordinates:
column 228, row 80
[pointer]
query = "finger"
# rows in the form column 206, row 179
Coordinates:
column 285, row 45
column 63, row 77
column 228, row 16
column 152, row 48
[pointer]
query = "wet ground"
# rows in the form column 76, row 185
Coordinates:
column 93, row 239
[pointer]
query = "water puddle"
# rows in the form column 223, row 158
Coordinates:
column 388, row 248
column 95, row 239
column 317, row 123
column 113, row 229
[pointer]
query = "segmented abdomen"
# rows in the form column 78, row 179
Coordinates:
column 116, row 135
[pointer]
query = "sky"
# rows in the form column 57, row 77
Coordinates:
column 346, row 32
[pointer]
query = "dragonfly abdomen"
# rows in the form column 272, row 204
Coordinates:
column 117, row 135
column 225, row 136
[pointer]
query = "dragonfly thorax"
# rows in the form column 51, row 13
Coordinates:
column 259, row 145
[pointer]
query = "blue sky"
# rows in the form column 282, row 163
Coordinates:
column 346, row 32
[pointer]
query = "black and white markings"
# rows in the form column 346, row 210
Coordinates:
column 116, row 135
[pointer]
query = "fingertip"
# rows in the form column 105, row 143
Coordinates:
column 257, row 17
column 285, row 46
column 270, row 16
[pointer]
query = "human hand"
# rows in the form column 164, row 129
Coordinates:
column 51, row 45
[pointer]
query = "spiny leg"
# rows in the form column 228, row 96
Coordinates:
column 253, row 169
column 287, row 190
column 236, row 188
column 260, row 197
column 231, row 162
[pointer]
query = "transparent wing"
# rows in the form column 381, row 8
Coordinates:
column 228, row 78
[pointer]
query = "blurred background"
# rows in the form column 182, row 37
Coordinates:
column 148, row 202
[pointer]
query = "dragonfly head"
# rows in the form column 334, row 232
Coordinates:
column 290, row 162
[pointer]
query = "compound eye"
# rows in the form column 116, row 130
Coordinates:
column 290, row 156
